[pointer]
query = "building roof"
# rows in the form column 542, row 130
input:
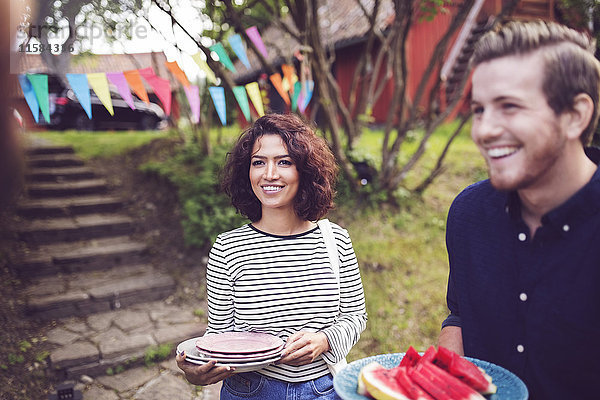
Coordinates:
column 343, row 23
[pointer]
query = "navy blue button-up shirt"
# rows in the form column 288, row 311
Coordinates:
column 531, row 305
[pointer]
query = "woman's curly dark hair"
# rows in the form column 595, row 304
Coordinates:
column 310, row 153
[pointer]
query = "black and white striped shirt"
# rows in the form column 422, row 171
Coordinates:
column 283, row 284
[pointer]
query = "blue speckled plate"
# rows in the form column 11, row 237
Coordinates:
column 510, row 387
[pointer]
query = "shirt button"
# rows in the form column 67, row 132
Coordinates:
column 523, row 296
column 520, row 348
column 522, row 237
column 566, row 228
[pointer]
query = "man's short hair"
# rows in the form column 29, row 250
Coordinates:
column 570, row 67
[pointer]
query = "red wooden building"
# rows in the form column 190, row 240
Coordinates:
column 344, row 28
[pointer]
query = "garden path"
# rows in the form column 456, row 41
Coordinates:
column 108, row 310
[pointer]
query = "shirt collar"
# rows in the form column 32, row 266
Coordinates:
column 585, row 202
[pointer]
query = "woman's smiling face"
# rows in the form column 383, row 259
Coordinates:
column 273, row 174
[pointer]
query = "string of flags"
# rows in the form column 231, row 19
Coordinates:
column 294, row 93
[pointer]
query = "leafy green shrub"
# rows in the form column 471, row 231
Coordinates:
column 206, row 209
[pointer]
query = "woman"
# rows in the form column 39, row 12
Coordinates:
column 274, row 275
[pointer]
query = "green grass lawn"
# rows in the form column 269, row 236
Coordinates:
column 91, row 144
column 402, row 252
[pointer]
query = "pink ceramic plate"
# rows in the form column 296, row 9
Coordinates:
column 257, row 355
column 238, row 343
column 194, row 354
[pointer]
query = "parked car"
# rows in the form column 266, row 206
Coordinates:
column 68, row 113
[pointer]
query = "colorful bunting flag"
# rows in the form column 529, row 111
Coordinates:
column 306, row 95
column 135, row 82
column 277, row 82
column 218, row 97
column 39, row 83
column 193, row 95
column 210, row 75
column 223, row 57
column 147, row 73
column 99, row 83
column 289, row 72
column 162, row 89
column 79, row 84
column 242, row 99
column 254, row 94
column 295, row 95
column 238, row 48
column 30, row 97
column 118, row 79
column 253, row 34
column 177, row 72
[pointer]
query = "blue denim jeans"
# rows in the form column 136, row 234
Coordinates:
column 252, row 385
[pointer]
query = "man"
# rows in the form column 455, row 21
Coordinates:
column 524, row 284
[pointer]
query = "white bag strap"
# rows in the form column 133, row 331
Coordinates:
column 325, row 226
column 334, row 260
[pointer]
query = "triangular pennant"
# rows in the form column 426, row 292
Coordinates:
column 210, row 75
column 79, row 84
column 39, row 83
column 242, row 99
column 162, row 89
column 218, row 97
column 134, row 80
column 223, row 57
column 99, row 83
column 306, row 95
column 193, row 95
column 238, row 48
column 253, row 34
column 30, row 97
column 177, row 72
column 147, row 73
column 276, row 80
column 118, row 79
column 295, row 95
column 288, row 73
column 254, row 94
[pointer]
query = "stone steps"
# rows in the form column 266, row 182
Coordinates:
column 92, row 344
column 59, row 174
column 83, row 273
column 54, row 161
column 49, row 149
column 99, row 254
column 68, row 206
column 81, row 227
column 67, row 189
column 78, row 294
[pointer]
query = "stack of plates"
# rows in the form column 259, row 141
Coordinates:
column 245, row 351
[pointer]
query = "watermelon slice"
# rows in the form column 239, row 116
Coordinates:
column 448, row 383
column 415, row 391
column 411, row 358
column 429, row 354
column 464, row 370
column 435, row 387
column 381, row 384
